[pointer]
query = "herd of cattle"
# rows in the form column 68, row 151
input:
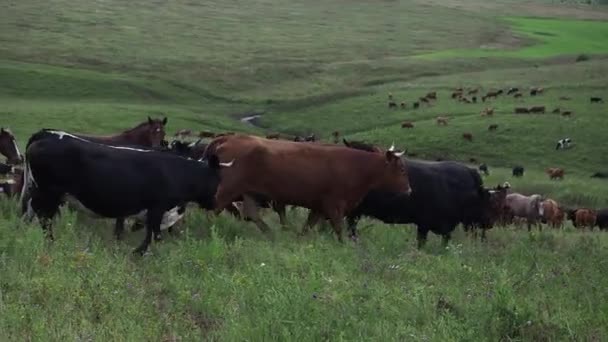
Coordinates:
column 138, row 174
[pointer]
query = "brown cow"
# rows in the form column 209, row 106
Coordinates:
column 432, row 95
column 442, row 120
column 407, row 124
column 555, row 172
column 551, row 213
column 537, row 109
column 467, row 136
column 487, row 112
column 424, row 99
column 567, row 113
column 583, row 218
column 330, row 180
column 493, row 127
column 392, row 104
column 521, row 110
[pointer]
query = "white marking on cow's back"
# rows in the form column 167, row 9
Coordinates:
column 61, row 134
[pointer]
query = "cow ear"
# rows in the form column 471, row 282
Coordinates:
column 165, row 121
column 150, row 120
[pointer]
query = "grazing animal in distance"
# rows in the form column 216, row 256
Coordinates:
column 552, row 215
column 273, row 136
column 521, row 110
column 563, row 144
column 416, row 105
column 407, row 124
column 390, row 96
column 492, row 127
column 392, row 104
column 206, row 134
column 518, row 95
column 8, row 147
column 555, row 173
column 432, row 95
column 600, row 175
column 512, row 90
column 565, row 98
column 467, row 136
column 518, row 171
column 567, row 113
column 403, row 106
column 537, row 109
column 583, row 218
column 442, row 120
column 556, row 111
column 536, row 91
column 595, row 99
column 336, row 136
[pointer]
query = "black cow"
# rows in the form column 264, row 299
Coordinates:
column 444, row 194
column 518, row 171
column 601, row 219
column 600, row 175
column 114, row 182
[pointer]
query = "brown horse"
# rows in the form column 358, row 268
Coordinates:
column 149, row 134
column 8, row 147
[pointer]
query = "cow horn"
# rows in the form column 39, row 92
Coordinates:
column 227, row 164
column 392, row 148
column 399, row 154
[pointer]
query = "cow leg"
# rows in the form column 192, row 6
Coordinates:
column 313, row 218
column 250, row 209
column 119, row 228
column 352, row 227
column 337, row 220
column 153, row 220
column 422, row 236
column 280, row 209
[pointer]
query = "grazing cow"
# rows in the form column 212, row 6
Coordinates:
column 563, row 144
column 521, row 110
column 583, row 218
column 600, row 175
column 601, row 219
column 416, row 105
column 518, row 95
column 567, row 113
column 183, row 133
column 595, row 99
column 472, row 160
column 518, row 171
column 442, row 120
column 444, row 194
column 206, row 134
column 484, row 169
column 537, row 109
column 493, row 127
column 512, row 90
column 113, row 181
column 474, row 99
column 456, row 94
column 556, row 111
column 273, row 136
column 487, row 112
column 392, row 104
column 552, row 215
column 311, row 138
column 473, row 91
column 8, row 147
column 526, row 207
column 403, row 105
column 390, row 96
column 432, row 95
column 467, row 136
column 328, row 179
column 565, row 98
column 536, row 91
column 407, row 124
column 555, row 173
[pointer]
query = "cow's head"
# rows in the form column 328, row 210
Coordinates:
column 155, row 131
column 494, row 203
column 394, row 174
column 8, row 147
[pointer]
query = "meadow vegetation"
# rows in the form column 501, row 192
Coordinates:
column 312, row 67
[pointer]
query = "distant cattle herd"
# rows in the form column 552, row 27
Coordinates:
column 138, row 174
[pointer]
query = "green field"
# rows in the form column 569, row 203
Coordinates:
column 312, row 67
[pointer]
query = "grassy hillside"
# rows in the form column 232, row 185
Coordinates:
column 311, row 66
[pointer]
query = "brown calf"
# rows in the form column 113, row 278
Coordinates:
column 467, row 136
column 585, row 218
column 555, row 173
column 442, row 120
column 537, row 109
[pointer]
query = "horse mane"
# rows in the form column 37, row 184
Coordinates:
column 360, row 145
column 131, row 130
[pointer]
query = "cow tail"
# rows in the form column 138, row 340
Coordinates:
column 28, row 182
